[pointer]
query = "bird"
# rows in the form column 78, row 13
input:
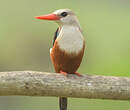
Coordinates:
column 68, row 45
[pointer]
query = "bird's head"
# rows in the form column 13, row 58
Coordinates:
column 61, row 16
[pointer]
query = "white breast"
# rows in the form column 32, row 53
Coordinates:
column 70, row 39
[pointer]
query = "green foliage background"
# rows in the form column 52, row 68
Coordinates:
column 25, row 43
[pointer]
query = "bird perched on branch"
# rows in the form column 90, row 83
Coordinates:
column 68, row 45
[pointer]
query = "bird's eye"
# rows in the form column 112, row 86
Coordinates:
column 63, row 14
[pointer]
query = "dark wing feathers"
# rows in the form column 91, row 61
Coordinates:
column 55, row 36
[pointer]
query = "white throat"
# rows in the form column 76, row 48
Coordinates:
column 70, row 39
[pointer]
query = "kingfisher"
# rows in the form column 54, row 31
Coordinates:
column 68, row 45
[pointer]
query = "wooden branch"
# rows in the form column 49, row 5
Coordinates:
column 31, row 83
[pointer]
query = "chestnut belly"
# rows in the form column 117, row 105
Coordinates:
column 63, row 61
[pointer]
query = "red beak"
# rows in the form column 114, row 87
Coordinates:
column 48, row 17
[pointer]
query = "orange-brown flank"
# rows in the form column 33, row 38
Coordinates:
column 66, row 62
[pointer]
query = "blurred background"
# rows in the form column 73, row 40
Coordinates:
column 25, row 43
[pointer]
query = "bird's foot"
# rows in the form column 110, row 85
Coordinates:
column 64, row 73
column 78, row 74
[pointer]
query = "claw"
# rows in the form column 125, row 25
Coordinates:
column 78, row 74
column 64, row 73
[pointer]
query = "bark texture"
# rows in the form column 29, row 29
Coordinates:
column 32, row 83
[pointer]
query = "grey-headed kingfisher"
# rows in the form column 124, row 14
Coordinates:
column 68, row 45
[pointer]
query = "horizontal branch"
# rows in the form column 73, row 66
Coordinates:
column 31, row 83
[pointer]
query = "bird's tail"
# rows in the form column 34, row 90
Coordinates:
column 63, row 103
